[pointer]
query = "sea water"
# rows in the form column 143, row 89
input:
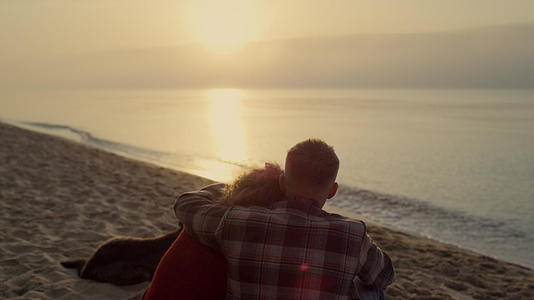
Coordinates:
column 454, row 165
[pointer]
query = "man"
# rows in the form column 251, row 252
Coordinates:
column 294, row 249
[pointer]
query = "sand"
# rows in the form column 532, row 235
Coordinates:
column 60, row 200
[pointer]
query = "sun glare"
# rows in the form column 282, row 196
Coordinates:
column 223, row 26
column 227, row 128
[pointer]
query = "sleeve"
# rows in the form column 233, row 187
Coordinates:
column 376, row 268
column 200, row 215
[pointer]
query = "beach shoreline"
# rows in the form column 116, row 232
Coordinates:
column 61, row 199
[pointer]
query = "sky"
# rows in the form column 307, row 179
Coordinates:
column 66, row 25
column 35, row 31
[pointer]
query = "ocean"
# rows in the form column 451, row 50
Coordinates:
column 453, row 165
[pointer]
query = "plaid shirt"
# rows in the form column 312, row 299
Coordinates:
column 291, row 250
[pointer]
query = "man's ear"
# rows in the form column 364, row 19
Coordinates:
column 281, row 183
column 333, row 191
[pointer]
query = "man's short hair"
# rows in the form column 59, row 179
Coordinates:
column 312, row 163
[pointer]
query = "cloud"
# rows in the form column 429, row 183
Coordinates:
column 490, row 57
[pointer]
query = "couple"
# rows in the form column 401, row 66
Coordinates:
column 266, row 237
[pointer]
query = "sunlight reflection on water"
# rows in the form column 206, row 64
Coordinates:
column 227, row 128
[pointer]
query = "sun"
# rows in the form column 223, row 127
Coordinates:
column 223, row 26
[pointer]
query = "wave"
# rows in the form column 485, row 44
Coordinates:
column 166, row 158
column 397, row 209
column 496, row 237
column 87, row 138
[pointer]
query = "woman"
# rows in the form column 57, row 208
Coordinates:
column 190, row 270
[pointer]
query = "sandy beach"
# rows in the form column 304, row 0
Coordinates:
column 60, row 200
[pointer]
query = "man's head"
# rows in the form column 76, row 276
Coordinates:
column 311, row 170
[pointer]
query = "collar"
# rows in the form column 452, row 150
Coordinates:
column 299, row 203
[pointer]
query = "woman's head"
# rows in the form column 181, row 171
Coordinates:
column 256, row 187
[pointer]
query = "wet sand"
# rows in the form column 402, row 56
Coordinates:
column 60, row 200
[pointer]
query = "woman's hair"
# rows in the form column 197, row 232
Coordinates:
column 256, row 187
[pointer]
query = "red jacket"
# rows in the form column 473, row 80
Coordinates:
column 188, row 270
